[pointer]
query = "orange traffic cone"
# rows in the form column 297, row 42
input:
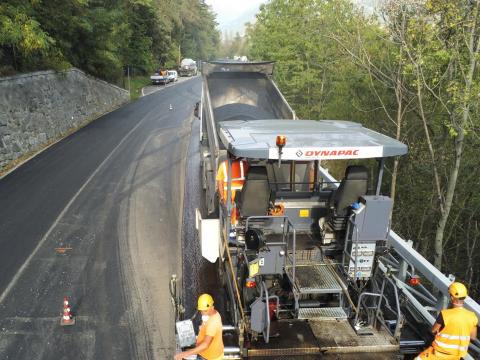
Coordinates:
column 67, row 317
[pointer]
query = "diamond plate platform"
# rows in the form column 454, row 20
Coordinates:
column 322, row 313
column 314, row 278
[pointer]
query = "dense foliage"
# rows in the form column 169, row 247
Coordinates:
column 103, row 36
column 409, row 70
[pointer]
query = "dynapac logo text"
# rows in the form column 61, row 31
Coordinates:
column 346, row 152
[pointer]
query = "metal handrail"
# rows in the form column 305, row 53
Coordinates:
column 423, row 266
column 263, row 287
column 428, row 270
column 359, row 304
column 405, row 251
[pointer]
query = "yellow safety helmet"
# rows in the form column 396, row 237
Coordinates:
column 457, row 290
column 205, row 302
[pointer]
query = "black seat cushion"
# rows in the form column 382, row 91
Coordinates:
column 254, row 198
column 353, row 185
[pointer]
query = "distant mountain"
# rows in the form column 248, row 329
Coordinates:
column 230, row 28
column 238, row 24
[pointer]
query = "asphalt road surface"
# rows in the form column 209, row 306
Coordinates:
column 150, row 89
column 98, row 217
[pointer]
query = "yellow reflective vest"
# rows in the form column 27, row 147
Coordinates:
column 454, row 338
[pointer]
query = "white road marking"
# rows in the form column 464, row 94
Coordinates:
column 65, row 209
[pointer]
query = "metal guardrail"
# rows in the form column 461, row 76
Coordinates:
column 428, row 270
column 421, row 265
column 414, row 258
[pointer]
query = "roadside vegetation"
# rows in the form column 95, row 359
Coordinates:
column 409, row 70
column 104, row 37
column 136, row 85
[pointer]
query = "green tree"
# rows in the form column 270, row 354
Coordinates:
column 21, row 36
column 310, row 68
column 442, row 47
column 102, row 36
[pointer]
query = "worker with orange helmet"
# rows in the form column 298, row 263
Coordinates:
column 453, row 329
column 209, row 345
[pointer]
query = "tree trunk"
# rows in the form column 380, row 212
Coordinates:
column 399, row 98
column 459, row 143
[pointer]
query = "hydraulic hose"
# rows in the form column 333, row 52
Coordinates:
column 237, row 290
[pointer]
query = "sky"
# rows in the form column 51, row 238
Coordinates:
column 229, row 11
column 233, row 14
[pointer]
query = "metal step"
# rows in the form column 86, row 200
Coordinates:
column 333, row 313
column 313, row 278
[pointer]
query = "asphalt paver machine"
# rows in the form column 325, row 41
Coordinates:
column 312, row 267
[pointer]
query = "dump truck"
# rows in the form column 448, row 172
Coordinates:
column 312, row 266
column 188, row 67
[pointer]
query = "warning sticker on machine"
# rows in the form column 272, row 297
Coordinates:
column 253, row 268
column 185, row 333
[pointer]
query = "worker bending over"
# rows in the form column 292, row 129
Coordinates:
column 453, row 329
column 209, row 345
column 239, row 172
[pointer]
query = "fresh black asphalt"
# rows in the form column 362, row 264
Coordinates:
column 61, row 217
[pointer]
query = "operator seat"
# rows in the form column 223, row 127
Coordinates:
column 352, row 186
column 254, row 198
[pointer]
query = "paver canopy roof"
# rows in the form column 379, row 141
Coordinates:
column 306, row 140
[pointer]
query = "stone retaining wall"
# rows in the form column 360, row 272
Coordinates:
column 40, row 107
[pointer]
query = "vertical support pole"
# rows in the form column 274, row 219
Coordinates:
column 403, row 266
column 379, row 304
column 179, row 54
column 315, row 186
column 380, row 175
column 402, row 270
column 292, row 177
column 128, row 77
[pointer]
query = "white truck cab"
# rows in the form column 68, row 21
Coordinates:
column 172, row 75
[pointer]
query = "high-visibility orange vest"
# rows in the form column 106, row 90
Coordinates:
column 454, row 338
column 239, row 171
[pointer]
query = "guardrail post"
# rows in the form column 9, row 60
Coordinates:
column 403, row 266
